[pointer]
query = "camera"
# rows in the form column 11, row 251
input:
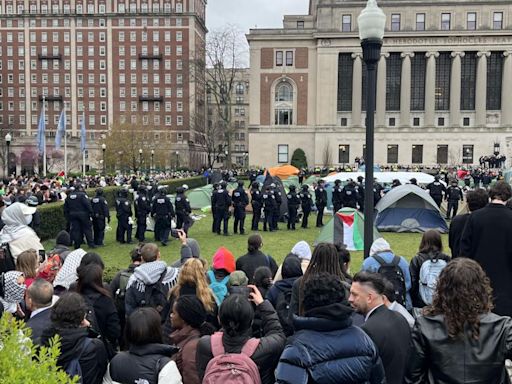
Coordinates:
column 240, row 290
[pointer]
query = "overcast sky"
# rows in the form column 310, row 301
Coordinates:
column 250, row 13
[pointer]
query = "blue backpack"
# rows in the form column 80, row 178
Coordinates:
column 219, row 288
column 74, row 369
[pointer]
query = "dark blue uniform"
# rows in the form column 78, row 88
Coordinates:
column 240, row 201
column 269, row 205
column 163, row 212
column 306, row 203
column 321, row 203
column 337, row 196
column 183, row 210
column 100, row 213
column 123, row 213
column 257, row 204
column 293, row 206
column 142, row 210
column 78, row 212
column 453, row 195
column 436, row 190
column 350, row 195
column 221, row 204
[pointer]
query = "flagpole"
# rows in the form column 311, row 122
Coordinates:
column 44, row 139
column 65, row 155
column 83, row 159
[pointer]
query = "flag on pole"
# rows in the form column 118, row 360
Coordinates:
column 41, row 131
column 82, row 134
column 61, row 129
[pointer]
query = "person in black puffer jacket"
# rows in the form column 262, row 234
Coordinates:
column 326, row 347
column 236, row 316
column 254, row 258
column 148, row 360
column 68, row 322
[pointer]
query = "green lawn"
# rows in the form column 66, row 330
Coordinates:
column 278, row 244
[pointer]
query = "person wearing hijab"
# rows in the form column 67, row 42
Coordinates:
column 16, row 231
column 14, row 288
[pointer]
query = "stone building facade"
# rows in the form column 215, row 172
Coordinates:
column 443, row 84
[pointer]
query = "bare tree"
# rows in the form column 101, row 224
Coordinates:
column 327, row 154
column 225, row 53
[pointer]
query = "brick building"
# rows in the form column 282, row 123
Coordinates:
column 113, row 61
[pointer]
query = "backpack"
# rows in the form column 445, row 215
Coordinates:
column 232, row 368
column 120, row 293
column 219, row 288
column 74, row 369
column 94, row 328
column 155, row 295
column 7, row 262
column 283, row 311
column 429, row 274
column 394, row 274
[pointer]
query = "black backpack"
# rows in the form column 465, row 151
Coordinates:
column 7, row 262
column 395, row 275
column 155, row 295
column 283, row 311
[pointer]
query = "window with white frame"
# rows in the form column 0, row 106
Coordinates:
column 282, row 153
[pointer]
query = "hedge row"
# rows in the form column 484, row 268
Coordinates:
column 52, row 215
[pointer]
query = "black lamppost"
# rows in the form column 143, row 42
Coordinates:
column 152, row 161
column 103, row 149
column 496, row 148
column 372, row 22
column 140, row 161
column 8, row 139
column 177, row 159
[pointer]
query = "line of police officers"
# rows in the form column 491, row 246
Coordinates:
column 267, row 202
column 88, row 217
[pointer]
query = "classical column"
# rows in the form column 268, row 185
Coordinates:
column 357, row 89
column 506, row 98
column 430, row 89
column 481, row 89
column 455, row 89
column 405, row 91
column 380, row 118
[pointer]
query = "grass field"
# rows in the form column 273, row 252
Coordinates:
column 278, row 244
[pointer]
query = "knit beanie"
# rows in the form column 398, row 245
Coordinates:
column 63, row 238
column 291, row 267
column 224, row 259
column 302, row 250
column 238, row 278
column 191, row 310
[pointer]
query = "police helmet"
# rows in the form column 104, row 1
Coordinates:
column 99, row 192
column 142, row 189
column 337, row 182
column 255, row 184
column 436, row 177
column 305, row 187
column 223, row 184
column 240, row 183
column 180, row 190
column 292, row 187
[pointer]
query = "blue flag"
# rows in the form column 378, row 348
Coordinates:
column 41, row 132
column 61, row 129
column 82, row 134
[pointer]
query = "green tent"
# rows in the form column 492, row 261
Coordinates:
column 292, row 180
column 201, row 197
column 346, row 227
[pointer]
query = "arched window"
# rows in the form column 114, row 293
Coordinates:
column 283, row 106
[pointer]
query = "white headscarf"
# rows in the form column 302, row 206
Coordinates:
column 67, row 274
column 16, row 218
column 302, row 250
column 379, row 245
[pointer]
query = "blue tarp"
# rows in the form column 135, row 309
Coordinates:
column 410, row 220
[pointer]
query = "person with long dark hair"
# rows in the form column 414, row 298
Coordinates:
column 255, row 258
column 459, row 339
column 105, row 320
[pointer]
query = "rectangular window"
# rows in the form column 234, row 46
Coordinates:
column 443, row 80
column 446, row 21
column 471, row 22
column 468, row 82
column 497, row 20
column 392, row 154
column 392, row 122
column 417, row 154
column 416, row 122
column 467, row 154
column 494, row 81
column 300, row 24
column 418, row 76
column 346, row 23
column 344, row 154
column 345, row 77
column 279, row 58
column 395, row 22
column 420, row 21
column 440, row 121
column 282, row 153
column 466, row 121
column 442, row 154
column 393, row 81
column 289, row 58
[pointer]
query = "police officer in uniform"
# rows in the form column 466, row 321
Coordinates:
column 337, row 196
column 349, row 195
column 222, row 202
column 183, row 210
column 293, row 206
column 453, row 195
column 269, row 205
column 78, row 212
column 124, row 217
column 436, row 190
column 277, row 209
column 212, row 204
column 163, row 212
column 142, row 209
column 100, row 213
column 320, row 202
column 306, row 203
column 257, row 204
column 360, row 192
column 240, row 201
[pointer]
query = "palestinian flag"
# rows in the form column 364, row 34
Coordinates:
column 346, row 227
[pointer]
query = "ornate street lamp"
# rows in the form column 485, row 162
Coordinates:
column 8, row 139
column 103, row 149
column 140, row 160
column 372, row 22
column 177, row 159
